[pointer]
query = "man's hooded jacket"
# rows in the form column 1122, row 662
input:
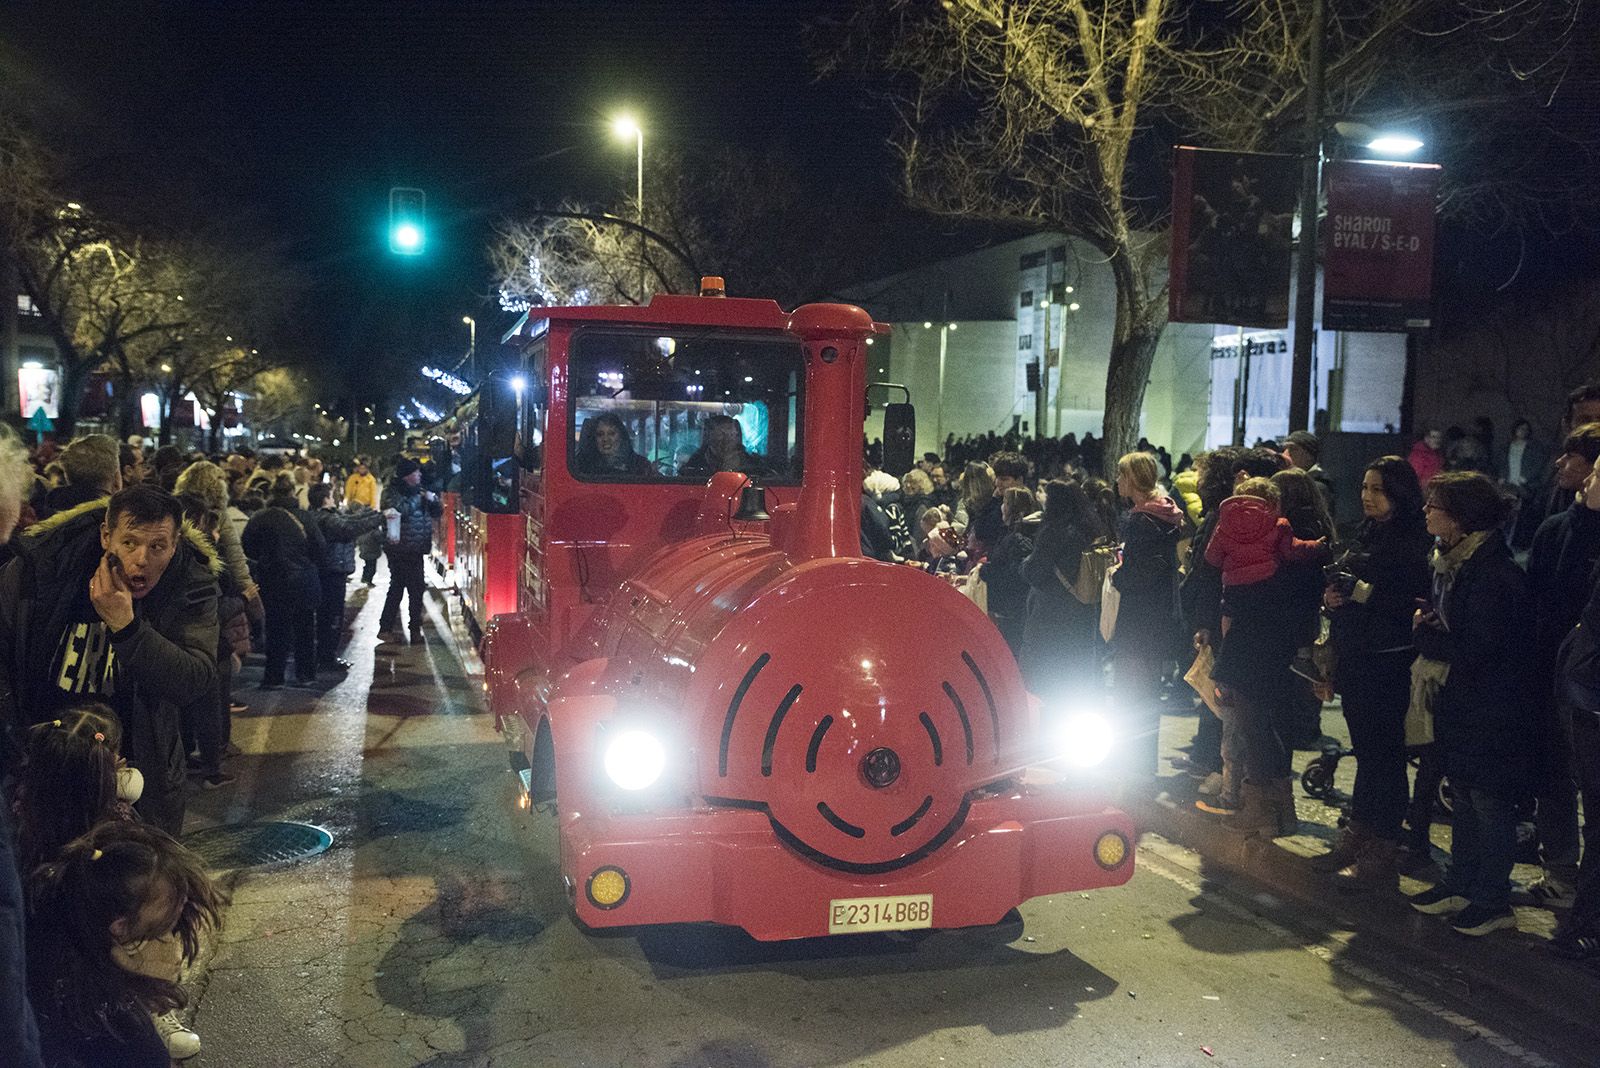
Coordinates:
column 162, row 661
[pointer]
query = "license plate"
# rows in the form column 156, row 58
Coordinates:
column 848, row 915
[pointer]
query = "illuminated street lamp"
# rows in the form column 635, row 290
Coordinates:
column 1383, row 142
column 625, row 127
column 472, row 344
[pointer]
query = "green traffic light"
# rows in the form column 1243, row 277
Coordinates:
column 407, row 239
column 407, row 212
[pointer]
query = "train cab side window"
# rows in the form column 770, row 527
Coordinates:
column 532, row 403
column 652, row 408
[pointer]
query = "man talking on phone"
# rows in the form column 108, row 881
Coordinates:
column 113, row 601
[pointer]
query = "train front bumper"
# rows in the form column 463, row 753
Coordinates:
column 727, row 866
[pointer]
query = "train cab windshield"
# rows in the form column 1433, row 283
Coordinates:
column 648, row 407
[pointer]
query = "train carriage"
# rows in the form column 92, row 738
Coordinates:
column 732, row 714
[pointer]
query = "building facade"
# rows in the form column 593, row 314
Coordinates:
column 966, row 330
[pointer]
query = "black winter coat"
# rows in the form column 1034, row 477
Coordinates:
column 416, row 517
column 1061, row 640
column 1262, row 639
column 1391, row 559
column 1200, row 595
column 163, row 660
column 877, row 540
column 1147, row 580
column 1008, row 590
column 1559, row 564
column 286, row 548
column 1484, row 721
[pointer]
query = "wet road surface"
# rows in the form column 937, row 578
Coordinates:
column 435, row 932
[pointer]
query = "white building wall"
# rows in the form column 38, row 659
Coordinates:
column 977, row 355
column 1356, row 385
column 1190, row 400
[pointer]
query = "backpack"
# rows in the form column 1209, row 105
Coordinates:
column 1093, row 563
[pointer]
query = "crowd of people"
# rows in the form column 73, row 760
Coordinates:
column 1455, row 621
column 132, row 587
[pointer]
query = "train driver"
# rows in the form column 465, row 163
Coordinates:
column 721, row 449
column 605, row 449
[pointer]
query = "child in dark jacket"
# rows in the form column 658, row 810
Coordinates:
column 112, row 919
column 1251, row 540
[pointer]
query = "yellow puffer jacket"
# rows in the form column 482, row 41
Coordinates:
column 1187, row 487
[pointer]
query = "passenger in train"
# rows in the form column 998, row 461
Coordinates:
column 606, row 448
column 722, row 449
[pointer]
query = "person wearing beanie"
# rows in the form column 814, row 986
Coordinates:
column 416, row 509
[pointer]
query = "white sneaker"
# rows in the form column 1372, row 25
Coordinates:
column 1211, row 785
column 181, row 1042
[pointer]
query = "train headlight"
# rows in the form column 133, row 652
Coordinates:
column 1085, row 739
column 635, row 759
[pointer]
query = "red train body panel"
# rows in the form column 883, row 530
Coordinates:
column 745, row 721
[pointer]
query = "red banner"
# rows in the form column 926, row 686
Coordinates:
column 1377, row 245
column 1231, row 237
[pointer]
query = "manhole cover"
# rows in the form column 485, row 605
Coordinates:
column 245, row 845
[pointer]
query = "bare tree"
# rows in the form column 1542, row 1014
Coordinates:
column 579, row 255
column 1058, row 114
column 778, row 237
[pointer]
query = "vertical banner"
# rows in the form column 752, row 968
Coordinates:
column 1378, row 246
column 1232, row 235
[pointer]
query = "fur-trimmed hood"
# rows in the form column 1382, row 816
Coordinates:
column 33, row 538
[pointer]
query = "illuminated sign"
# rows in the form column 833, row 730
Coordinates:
column 39, row 387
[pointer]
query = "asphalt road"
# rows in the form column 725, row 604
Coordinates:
column 434, row 932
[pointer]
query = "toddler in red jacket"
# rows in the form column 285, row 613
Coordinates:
column 1251, row 540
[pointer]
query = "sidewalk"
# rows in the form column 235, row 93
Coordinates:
column 1512, row 967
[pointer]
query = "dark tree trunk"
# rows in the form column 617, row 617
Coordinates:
column 1126, row 378
column 1140, row 320
column 74, row 376
column 129, row 421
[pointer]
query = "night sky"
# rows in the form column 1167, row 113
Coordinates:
column 289, row 121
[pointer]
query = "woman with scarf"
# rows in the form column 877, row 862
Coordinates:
column 1145, row 635
column 1372, row 593
column 1473, row 641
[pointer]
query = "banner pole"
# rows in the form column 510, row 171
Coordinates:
column 1305, row 301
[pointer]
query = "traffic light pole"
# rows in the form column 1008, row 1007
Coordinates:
column 1305, row 302
column 1041, row 403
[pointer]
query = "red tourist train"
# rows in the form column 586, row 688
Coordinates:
column 736, row 717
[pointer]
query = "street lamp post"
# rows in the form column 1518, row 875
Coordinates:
column 1305, row 297
column 1061, row 362
column 472, row 344
column 938, row 415
column 625, row 127
column 1041, row 399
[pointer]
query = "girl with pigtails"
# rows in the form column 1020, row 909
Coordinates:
column 112, row 919
column 73, row 780
column 72, row 777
